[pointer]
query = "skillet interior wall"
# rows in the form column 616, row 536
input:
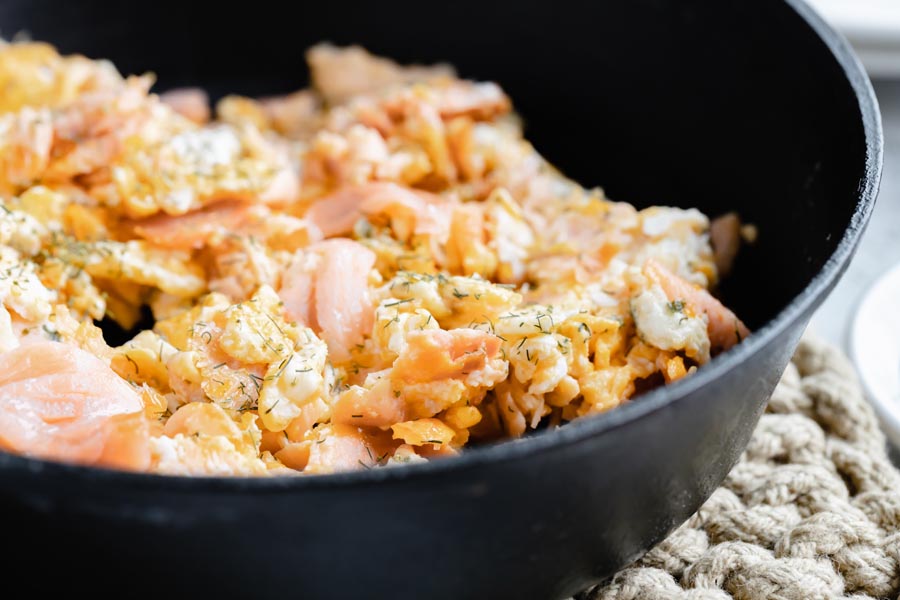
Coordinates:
column 650, row 126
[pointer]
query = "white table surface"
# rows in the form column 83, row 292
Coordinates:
column 872, row 26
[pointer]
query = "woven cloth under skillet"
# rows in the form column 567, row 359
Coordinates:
column 812, row 510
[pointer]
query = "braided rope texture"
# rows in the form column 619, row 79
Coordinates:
column 811, row 511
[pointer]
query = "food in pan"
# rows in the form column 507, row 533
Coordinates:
column 374, row 271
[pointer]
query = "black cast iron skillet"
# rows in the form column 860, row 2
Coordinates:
column 725, row 105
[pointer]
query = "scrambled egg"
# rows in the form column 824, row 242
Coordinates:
column 475, row 293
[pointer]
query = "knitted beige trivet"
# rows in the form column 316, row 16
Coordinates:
column 812, row 510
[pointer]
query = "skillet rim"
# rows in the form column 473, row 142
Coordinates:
column 576, row 431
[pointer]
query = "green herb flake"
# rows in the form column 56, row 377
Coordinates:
column 676, row 306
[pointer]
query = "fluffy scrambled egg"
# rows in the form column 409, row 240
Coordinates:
column 375, row 271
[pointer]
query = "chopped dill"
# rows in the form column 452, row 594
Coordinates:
column 398, row 302
column 52, row 333
column 137, row 369
column 676, row 306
